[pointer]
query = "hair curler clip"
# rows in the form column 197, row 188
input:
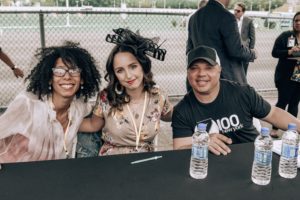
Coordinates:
column 140, row 44
column 113, row 39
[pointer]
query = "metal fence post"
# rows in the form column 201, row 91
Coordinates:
column 42, row 29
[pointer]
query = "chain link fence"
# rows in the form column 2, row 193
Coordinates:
column 23, row 31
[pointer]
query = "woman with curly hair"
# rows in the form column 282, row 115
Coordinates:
column 129, row 109
column 42, row 122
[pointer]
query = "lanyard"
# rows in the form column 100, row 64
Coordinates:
column 65, row 138
column 138, row 131
column 66, row 132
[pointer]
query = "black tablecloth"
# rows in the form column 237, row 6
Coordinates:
column 113, row 177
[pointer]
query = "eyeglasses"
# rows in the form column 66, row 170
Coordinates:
column 238, row 11
column 60, row 72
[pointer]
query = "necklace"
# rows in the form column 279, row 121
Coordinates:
column 66, row 131
column 65, row 138
column 138, row 131
column 68, row 123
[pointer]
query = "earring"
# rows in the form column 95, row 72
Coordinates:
column 82, row 87
column 119, row 89
column 49, row 87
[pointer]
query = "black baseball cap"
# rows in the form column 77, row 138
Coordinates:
column 204, row 53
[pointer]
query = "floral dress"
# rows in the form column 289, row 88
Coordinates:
column 119, row 134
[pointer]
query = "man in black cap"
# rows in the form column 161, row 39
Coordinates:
column 226, row 107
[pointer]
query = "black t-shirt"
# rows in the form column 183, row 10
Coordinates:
column 231, row 113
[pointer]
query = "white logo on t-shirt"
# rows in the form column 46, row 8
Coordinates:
column 224, row 125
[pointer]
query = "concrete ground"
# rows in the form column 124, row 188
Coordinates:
column 165, row 136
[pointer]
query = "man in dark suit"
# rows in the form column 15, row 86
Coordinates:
column 246, row 28
column 214, row 26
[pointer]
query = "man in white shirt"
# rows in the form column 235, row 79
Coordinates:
column 246, row 28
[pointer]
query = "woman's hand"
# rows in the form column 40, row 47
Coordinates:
column 13, row 148
column 92, row 124
column 293, row 49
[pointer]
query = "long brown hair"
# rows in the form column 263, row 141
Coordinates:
column 118, row 100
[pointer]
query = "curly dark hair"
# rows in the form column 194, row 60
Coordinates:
column 73, row 56
column 134, row 44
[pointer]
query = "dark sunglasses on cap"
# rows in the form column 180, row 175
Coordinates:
column 238, row 11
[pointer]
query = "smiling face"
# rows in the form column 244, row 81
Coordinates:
column 65, row 86
column 128, row 71
column 204, row 78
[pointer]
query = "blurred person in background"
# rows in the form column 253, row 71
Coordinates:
column 6, row 59
column 41, row 123
column 246, row 29
column 201, row 4
column 130, row 108
column 285, row 48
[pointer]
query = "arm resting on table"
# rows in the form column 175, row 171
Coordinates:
column 280, row 118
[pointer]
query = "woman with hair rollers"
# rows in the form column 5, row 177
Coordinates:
column 129, row 109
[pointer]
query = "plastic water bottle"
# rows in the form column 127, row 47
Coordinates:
column 262, row 164
column 199, row 157
column 289, row 152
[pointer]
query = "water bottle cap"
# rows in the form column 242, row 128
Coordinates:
column 292, row 126
column 201, row 126
column 265, row 131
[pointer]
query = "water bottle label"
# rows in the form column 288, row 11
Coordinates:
column 263, row 157
column 289, row 151
column 199, row 152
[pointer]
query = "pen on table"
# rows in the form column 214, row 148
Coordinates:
column 147, row 159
